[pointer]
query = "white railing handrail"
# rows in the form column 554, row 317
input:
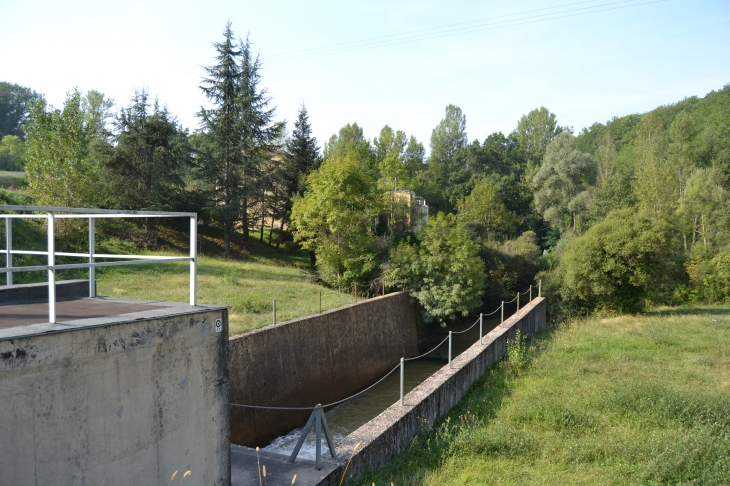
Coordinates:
column 82, row 212
column 53, row 213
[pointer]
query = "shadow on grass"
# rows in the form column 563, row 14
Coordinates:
column 690, row 310
column 481, row 404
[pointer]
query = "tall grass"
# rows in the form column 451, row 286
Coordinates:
column 628, row 400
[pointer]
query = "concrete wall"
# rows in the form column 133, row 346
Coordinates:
column 393, row 430
column 121, row 403
column 316, row 359
column 38, row 292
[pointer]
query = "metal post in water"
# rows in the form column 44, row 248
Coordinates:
column 449, row 349
column 92, row 250
column 274, row 311
column 402, row 366
column 480, row 328
column 51, row 268
column 318, row 436
column 9, row 248
column 502, row 313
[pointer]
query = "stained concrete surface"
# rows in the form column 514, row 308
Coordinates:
column 15, row 315
column 246, row 466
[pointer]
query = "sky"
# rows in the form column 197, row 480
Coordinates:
column 586, row 61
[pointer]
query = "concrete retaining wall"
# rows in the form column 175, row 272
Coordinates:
column 38, row 292
column 316, row 359
column 393, row 430
column 122, row 403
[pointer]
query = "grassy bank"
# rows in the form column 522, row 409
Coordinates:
column 248, row 287
column 629, row 400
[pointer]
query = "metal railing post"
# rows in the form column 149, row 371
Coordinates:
column 193, row 259
column 9, row 248
column 51, row 268
column 92, row 250
column 318, row 436
column 274, row 311
column 320, row 301
column 530, row 292
column 501, row 320
column 539, row 288
column 518, row 303
column 480, row 328
column 449, row 349
column 402, row 366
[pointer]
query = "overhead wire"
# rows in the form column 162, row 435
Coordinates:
column 369, row 44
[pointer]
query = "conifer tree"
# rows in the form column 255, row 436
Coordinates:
column 223, row 123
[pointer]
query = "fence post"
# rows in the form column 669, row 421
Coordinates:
column 539, row 288
column 320, row 301
column 530, row 292
column 92, row 250
column 193, row 260
column 274, row 311
column 402, row 366
column 501, row 320
column 518, row 303
column 51, row 268
column 449, row 349
column 480, row 328
column 383, row 286
column 9, row 248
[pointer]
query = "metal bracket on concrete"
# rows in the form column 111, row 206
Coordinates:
column 320, row 422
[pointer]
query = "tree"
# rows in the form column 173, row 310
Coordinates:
column 389, row 152
column 444, row 273
column 12, row 153
column 534, row 132
column 15, row 103
column 302, row 158
column 447, row 139
column 616, row 262
column 335, row 219
column 485, row 207
column 60, row 171
column 563, row 184
column 656, row 185
column 223, row 122
column 151, row 154
column 414, row 158
column 704, row 211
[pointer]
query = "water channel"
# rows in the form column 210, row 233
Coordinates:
column 347, row 417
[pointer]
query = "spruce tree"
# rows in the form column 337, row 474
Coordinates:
column 223, row 122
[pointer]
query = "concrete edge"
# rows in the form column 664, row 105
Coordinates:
column 394, row 429
column 173, row 309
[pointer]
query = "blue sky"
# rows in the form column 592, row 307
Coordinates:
column 585, row 68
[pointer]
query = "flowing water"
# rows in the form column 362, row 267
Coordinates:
column 347, row 417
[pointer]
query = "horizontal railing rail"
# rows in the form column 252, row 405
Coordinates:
column 51, row 214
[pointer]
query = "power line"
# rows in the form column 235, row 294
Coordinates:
column 460, row 31
column 286, row 54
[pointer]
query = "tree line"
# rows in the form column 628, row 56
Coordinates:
column 621, row 214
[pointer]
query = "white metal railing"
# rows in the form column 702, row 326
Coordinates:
column 53, row 213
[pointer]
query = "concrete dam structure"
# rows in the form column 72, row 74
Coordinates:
column 316, row 359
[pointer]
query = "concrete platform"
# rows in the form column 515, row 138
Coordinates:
column 15, row 315
column 245, row 467
column 29, row 319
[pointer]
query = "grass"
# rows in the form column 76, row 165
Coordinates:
column 248, row 287
column 12, row 179
column 627, row 400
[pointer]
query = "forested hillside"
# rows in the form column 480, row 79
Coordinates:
column 621, row 215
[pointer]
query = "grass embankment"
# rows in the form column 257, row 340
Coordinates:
column 249, row 288
column 12, row 179
column 628, row 400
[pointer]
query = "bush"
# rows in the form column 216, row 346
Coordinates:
column 616, row 264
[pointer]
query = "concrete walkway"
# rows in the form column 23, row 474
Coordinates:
column 244, row 469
